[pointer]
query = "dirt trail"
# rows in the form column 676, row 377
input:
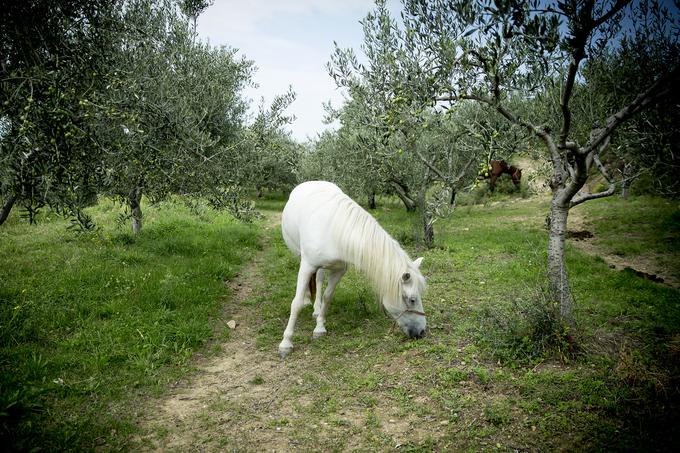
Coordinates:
column 228, row 398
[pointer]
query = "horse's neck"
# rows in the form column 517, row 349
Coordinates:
column 371, row 250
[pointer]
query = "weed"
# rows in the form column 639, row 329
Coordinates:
column 257, row 380
column 529, row 330
column 498, row 413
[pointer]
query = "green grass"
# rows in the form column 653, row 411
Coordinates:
column 117, row 319
column 89, row 323
column 640, row 225
column 484, row 379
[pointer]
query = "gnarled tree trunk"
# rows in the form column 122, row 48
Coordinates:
column 402, row 193
column 557, row 267
column 371, row 200
column 627, row 177
column 134, row 200
column 428, row 230
column 6, row 208
column 452, row 201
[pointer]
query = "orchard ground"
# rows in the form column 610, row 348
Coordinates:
column 111, row 341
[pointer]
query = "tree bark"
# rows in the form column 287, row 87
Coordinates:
column 6, row 208
column 402, row 193
column 371, row 200
column 452, row 201
column 134, row 200
column 557, row 268
column 428, row 230
column 426, row 215
column 625, row 182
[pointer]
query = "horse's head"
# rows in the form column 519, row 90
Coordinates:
column 408, row 312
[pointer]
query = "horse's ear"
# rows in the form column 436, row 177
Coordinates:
column 418, row 261
column 406, row 276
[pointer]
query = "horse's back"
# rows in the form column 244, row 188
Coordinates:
column 307, row 216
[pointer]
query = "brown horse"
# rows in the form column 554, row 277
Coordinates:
column 497, row 168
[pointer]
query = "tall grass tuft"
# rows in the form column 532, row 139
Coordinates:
column 527, row 330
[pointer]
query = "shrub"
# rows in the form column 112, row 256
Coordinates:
column 527, row 330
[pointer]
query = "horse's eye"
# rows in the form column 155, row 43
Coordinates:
column 412, row 300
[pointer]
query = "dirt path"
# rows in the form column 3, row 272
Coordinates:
column 645, row 265
column 227, row 400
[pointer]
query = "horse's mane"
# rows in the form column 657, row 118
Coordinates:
column 366, row 245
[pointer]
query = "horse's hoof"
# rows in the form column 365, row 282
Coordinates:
column 283, row 352
column 316, row 335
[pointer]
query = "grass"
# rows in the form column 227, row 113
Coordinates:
column 472, row 372
column 477, row 382
column 641, row 225
column 91, row 322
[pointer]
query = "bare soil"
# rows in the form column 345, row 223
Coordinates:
column 239, row 376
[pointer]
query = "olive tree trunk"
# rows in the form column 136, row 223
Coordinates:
column 6, row 208
column 428, row 230
column 627, row 177
column 134, row 200
column 371, row 200
column 557, row 267
column 402, row 193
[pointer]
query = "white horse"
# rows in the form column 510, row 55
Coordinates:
column 328, row 231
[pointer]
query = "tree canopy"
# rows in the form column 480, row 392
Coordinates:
column 120, row 98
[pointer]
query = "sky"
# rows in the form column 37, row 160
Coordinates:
column 290, row 42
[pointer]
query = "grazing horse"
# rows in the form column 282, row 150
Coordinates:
column 497, row 168
column 329, row 231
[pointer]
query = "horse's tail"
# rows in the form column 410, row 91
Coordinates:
column 312, row 285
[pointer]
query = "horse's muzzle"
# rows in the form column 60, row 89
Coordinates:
column 416, row 332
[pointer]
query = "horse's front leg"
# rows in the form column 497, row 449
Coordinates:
column 333, row 279
column 305, row 273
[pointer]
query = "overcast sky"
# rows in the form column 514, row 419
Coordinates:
column 290, row 42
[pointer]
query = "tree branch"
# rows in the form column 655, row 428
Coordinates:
column 462, row 172
column 584, row 27
column 430, row 166
column 538, row 131
column 657, row 90
column 566, row 96
column 620, row 4
column 612, row 185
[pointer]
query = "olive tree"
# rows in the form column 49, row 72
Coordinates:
column 645, row 148
column 176, row 108
column 495, row 52
column 268, row 156
column 398, row 108
column 48, row 154
column 117, row 98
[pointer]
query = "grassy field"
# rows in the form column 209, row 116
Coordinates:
column 89, row 323
column 100, row 332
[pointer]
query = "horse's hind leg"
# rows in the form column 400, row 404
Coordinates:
column 320, row 276
column 333, row 279
column 305, row 273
